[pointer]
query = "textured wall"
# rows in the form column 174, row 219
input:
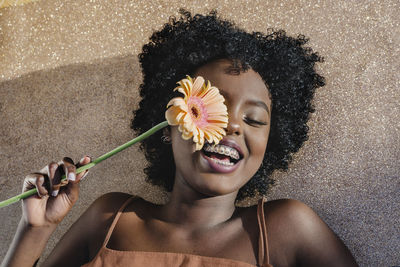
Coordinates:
column 68, row 82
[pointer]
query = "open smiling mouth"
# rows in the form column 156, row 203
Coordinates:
column 221, row 157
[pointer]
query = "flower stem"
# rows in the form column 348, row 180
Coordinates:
column 91, row 164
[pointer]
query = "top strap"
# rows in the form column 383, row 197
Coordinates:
column 263, row 254
column 121, row 209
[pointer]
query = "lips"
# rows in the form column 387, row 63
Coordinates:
column 224, row 157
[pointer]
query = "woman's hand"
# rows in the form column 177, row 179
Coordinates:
column 53, row 201
column 42, row 212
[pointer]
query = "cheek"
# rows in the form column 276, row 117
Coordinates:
column 181, row 148
column 259, row 148
column 258, row 145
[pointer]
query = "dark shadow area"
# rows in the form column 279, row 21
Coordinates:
column 74, row 110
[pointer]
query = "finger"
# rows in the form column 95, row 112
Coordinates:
column 38, row 181
column 85, row 160
column 54, row 178
column 72, row 189
column 69, row 169
column 82, row 175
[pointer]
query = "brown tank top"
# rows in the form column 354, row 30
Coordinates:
column 112, row 258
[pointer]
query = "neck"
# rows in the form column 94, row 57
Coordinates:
column 194, row 210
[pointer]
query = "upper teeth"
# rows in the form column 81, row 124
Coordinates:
column 223, row 150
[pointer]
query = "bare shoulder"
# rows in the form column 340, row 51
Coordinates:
column 107, row 205
column 293, row 213
column 100, row 215
column 307, row 239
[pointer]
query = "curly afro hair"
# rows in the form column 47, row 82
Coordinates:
column 185, row 44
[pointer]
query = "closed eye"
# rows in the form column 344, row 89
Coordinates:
column 254, row 122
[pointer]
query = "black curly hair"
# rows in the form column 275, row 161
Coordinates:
column 185, row 44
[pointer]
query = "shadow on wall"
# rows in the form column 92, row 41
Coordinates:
column 75, row 110
column 65, row 108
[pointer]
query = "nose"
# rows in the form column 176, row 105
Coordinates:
column 234, row 125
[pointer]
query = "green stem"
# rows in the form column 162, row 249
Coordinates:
column 91, row 164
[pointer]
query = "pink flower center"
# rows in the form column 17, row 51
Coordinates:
column 198, row 111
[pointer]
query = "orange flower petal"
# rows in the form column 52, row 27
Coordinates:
column 171, row 115
column 200, row 114
column 198, row 86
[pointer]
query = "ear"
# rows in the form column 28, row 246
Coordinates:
column 167, row 132
column 166, row 137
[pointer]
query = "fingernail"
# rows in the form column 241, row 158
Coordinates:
column 82, row 159
column 71, row 176
column 54, row 193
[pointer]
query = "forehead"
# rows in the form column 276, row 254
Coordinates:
column 234, row 85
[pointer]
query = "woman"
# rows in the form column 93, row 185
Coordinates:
column 268, row 83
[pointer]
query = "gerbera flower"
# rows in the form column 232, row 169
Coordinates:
column 201, row 114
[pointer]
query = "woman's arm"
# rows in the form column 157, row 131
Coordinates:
column 27, row 245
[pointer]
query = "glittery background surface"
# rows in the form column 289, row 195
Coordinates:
column 68, row 82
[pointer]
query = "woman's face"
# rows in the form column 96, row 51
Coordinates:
column 249, row 109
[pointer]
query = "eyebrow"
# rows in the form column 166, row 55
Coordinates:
column 260, row 104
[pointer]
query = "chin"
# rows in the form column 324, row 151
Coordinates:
column 215, row 184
